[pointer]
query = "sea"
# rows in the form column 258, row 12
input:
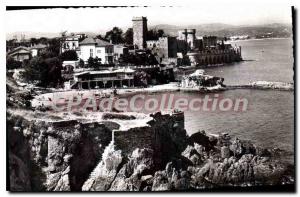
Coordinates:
column 269, row 118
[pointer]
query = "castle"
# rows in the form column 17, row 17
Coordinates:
column 206, row 50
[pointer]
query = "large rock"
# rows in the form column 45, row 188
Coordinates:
column 136, row 173
column 104, row 174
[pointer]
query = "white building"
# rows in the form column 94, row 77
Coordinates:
column 122, row 77
column 120, row 50
column 70, row 43
column 91, row 47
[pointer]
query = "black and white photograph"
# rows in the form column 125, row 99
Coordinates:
column 192, row 98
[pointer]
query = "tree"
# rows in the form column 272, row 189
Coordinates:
column 91, row 62
column 146, row 58
column 54, row 46
column 154, row 34
column 128, row 36
column 81, row 63
column 45, row 72
column 94, row 62
column 115, row 35
column 160, row 33
column 33, row 41
column 11, row 63
column 100, row 37
column 69, row 55
column 42, row 40
column 185, row 61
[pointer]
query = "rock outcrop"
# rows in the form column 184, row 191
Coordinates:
column 74, row 155
column 129, row 152
column 199, row 79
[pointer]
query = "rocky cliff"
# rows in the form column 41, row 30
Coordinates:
column 97, row 151
column 80, row 155
column 55, row 154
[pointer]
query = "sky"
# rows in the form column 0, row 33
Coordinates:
column 103, row 19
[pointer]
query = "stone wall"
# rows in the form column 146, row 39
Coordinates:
column 166, row 136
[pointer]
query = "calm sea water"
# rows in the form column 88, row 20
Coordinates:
column 268, row 60
column 269, row 120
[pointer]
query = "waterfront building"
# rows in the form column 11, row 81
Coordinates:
column 209, row 41
column 121, row 77
column 199, row 51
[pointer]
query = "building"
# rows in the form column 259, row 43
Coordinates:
column 189, row 36
column 165, row 48
column 139, row 32
column 209, row 41
column 122, row 77
column 20, row 53
column 37, row 49
column 120, row 50
column 70, row 65
column 215, row 56
column 91, row 47
column 69, row 43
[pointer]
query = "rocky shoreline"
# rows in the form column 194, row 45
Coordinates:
column 95, row 155
column 40, row 99
column 109, row 151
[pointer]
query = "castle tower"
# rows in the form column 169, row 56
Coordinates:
column 139, row 26
column 191, row 37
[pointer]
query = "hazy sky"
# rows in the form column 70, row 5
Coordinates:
column 102, row 19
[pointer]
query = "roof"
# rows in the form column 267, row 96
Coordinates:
column 120, row 70
column 88, row 41
column 97, row 42
column 14, row 51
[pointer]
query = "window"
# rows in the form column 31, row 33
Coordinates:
column 91, row 53
column 98, row 51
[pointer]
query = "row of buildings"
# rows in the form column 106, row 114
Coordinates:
column 87, row 47
column 199, row 50
column 22, row 53
column 169, row 50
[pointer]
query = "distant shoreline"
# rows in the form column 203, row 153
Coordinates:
column 251, row 39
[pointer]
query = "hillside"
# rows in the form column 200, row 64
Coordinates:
column 221, row 30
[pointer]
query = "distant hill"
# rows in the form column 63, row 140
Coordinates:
column 217, row 29
column 29, row 35
column 222, row 30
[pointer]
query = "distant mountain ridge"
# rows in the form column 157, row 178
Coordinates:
column 222, row 30
column 217, row 29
